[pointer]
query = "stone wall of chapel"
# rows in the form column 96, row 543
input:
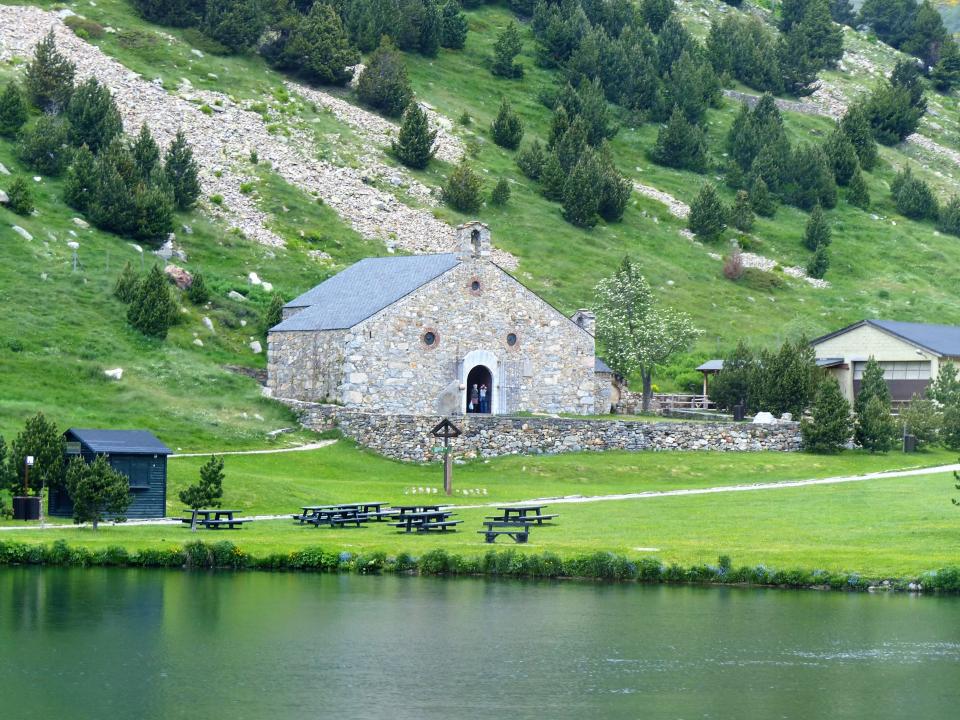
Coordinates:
column 388, row 367
column 306, row 365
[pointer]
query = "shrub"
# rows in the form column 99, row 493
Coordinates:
column 922, row 419
column 462, row 189
column 274, row 313
column 948, row 219
column 126, row 285
column 383, row 84
column 857, row 193
column 198, row 293
column 507, row 127
column 708, row 215
column 414, row 144
column 20, row 196
column 43, row 145
column 913, row 197
column 152, row 309
column 501, row 193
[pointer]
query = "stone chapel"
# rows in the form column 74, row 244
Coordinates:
column 414, row 334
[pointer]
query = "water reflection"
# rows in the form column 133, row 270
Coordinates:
column 159, row 644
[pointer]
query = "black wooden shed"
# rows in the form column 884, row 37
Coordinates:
column 138, row 454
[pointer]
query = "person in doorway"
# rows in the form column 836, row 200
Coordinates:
column 474, row 404
column 484, row 400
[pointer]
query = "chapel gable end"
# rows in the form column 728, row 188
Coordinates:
column 473, row 240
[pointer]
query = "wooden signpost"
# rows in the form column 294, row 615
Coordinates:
column 446, row 430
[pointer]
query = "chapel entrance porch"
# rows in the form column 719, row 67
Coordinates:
column 479, row 395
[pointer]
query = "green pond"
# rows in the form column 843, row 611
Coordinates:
column 144, row 644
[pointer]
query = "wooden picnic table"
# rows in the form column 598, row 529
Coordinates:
column 337, row 517
column 524, row 513
column 407, row 509
column 222, row 518
column 371, row 510
column 426, row 521
column 519, row 530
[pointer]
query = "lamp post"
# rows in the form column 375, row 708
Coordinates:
column 27, row 464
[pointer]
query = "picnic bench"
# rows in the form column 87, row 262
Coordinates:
column 216, row 519
column 519, row 531
column 532, row 514
column 337, row 517
column 426, row 521
column 366, row 510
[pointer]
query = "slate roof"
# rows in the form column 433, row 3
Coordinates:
column 711, row 366
column 362, row 290
column 132, row 442
column 600, row 366
column 939, row 339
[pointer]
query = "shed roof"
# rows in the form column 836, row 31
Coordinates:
column 938, row 339
column 600, row 366
column 132, row 442
column 711, row 366
column 362, row 290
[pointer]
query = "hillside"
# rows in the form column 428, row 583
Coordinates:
column 325, row 192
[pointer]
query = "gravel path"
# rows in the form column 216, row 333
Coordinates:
column 298, row 448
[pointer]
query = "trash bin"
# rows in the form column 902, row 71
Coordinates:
column 26, row 508
column 739, row 413
column 909, row 443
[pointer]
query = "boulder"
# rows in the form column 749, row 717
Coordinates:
column 80, row 222
column 234, row 295
column 4, row 198
column 3, row 169
column 256, row 347
column 115, row 374
column 21, row 232
column 208, row 323
column 198, row 342
column 178, row 276
column 764, row 418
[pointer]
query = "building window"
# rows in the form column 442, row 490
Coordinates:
column 475, row 286
column 430, row 338
column 511, row 339
column 897, row 370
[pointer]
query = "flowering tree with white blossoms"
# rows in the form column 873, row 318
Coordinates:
column 636, row 335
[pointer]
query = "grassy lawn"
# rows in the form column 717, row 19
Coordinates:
column 892, row 526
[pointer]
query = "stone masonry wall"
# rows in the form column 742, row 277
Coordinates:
column 306, row 365
column 407, row 437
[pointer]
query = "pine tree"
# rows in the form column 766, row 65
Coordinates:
column 274, row 313
column 656, row 12
column 875, row 427
column 112, row 204
column 501, row 193
column 830, row 427
column 824, row 38
column 811, row 179
column 429, row 41
column 152, row 309
column 414, row 144
column 198, row 293
column 673, row 40
column 383, row 84
column 872, row 386
column 741, row 217
column 581, row 200
column 761, row 200
column 945, row 75
column 206, row 493
column 559, row 124
column 20, row 196
column 553, row 178
column 842, row 156
column 126, row 286
column 819, row 262
column 708, row 215
column 146, row 153
column 858, row 194
column 49, row 76
column 43, row 145
column 505, row 49
column 318, row 48
column 913, row 197
column 182, row 172
column 572, row 145
column 948, row 220
column 13, row 110
column 614, row 189
column 453, row 26
column 154, row 205
column 798, row 68
column 817, row 232
column 238, row 24
column 692, row 86
column 80, row 180
column 680, row 144
column 589, row 104
column 856, row 126
column 93, row 115
column 462, row 190
column 507, row 127
column 97, row 489
column 531, row 160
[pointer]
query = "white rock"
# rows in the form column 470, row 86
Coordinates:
column 764, row 418
column 243, row 323
column 22, row 233
column 254, row 278
column 267, row 287
column 65, row 13
column 3, row 169
column 198, row 342
column 115, row 374
column 234, row 295
column 208, row 323
column 37, row 178
column 136, row 247
column 4, row 198
column 80, row 222
column 196, row 52
column 256, row 347
column 73, row 245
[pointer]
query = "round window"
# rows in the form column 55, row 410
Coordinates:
column 429, row 338
column 475, row 286
column 511, row 339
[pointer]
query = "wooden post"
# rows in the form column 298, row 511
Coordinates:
column 447, row 468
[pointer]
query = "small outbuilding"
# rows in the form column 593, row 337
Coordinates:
column 138, row 454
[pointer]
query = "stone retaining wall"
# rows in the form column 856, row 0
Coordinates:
column 407, row 437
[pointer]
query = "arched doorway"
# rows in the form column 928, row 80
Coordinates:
column 481, row 377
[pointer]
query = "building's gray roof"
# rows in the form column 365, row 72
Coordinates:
column 938, row 339
column 711, row 366
column 133, row 442
column 829, row 362
column 362, row 290
column 600, row 366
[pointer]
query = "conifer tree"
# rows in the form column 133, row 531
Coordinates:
column 810, row 178
column 318, row 47
column 462, row 189
column 274, row 313
column 842, row 156
column 238, row 24
column 154, row 205
column 798, row 68
column 113, row 204
column 505, row 49
column 41, row 439
column 152, row 308
column 198, row 293
column 559, row 124
column 43, row 145
column 856, row 126
column 673, row 40
column 126, row 286
column 913, row 197
column 948, row 221
column 692, row 86
column 581, row 200
column 830, row 427
column 656, row 12
column 708, row 215
column 146, row 153
column 819, row 262
column 572, row 145
column 20, row 197
column 761, row 200
column 507, row 127
column 97, row 489
column 206, row 493
column 13, row 110
column 531, row 160
column 383, row 84
column 614, row 189
column 874, row 425
column 49, row 76
column 741, row 216
column 501, row 193
column 680, row 144
column 429, row 41
column 858, row 194
column 414, row 144
column 945, row 75
column 453, row 26
column 817, row 231
column 93, row 115
column 553, row 178
column 182, row 172
column 823, row 36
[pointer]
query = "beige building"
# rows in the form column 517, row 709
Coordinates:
column 910, row 354
column 416, row 334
